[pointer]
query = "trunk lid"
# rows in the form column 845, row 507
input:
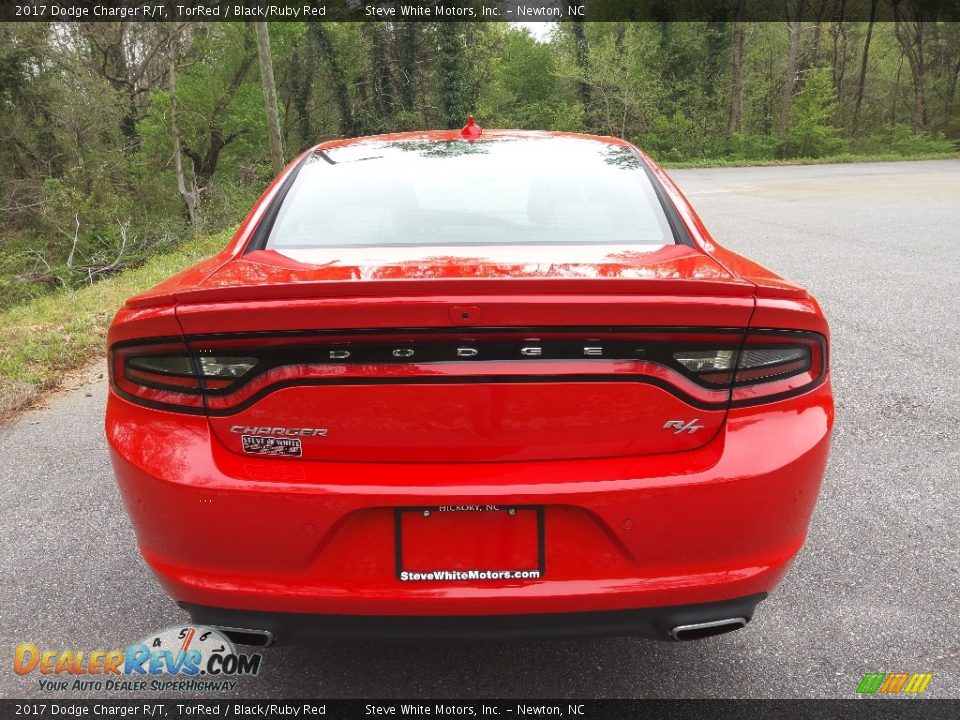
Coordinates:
column 451, row 356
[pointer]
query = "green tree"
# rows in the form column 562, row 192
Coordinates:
column 524, row 90
column 452, row 74
column 811, row 133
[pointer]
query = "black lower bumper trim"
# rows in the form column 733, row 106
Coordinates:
column 654, row 623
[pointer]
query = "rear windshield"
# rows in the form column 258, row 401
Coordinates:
column 511, row 191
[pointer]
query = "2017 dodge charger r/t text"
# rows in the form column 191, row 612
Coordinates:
column 470, row 384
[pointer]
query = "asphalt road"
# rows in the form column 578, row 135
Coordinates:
column 877, row 587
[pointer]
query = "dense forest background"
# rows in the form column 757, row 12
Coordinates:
column 121, row 139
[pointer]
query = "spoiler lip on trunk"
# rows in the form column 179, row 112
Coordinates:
column 472, row 287
column 453, row 288
column 456, row 270
column 466, row 287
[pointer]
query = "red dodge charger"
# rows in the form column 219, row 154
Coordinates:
column 470, row 384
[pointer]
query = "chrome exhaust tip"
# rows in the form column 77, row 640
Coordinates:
column 698, row 631
column 246, row 636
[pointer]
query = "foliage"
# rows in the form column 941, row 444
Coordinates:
column 811, row 133
column 87, row 174
column 524, row 92
column 902, row 140
column 44, row 338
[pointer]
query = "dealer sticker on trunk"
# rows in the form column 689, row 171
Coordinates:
column 263, row 445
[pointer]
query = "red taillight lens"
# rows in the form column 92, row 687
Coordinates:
column 765, row 364
column 167, row 376
column 161, row 375
column 770, row 364
column 773, row 365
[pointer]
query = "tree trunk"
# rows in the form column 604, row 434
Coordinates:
column 451, row 67
column 131, row 59
column 736, row 81
column 190, row 196
column 116, row 71
column 821, row 9
column 408, row 66
column 954, row 76
column 383, row 100
column 338, row 79
column 815, row 52
column 863, row 66
column 896, row 90
column 909, row 29
column 205, row 165
column 302, row 76
column 583, row 65
column 269, row 95
column 839, row 60
column 790, row 77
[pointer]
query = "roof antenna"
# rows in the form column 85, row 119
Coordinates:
column 471, row 131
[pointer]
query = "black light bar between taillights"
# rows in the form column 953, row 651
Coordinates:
column 706, row 367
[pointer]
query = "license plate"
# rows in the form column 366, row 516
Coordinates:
column 469, row 543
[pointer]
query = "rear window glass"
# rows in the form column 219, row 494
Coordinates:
column 498, row 191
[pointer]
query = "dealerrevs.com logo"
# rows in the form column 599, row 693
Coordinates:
column 190, row 657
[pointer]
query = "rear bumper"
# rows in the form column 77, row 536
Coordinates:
column 278, row 539
column 653, row 623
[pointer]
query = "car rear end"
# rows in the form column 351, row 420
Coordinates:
column 589, row 430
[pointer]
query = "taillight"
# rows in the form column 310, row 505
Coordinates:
column 765, row 364
column 161, row 374
column 773, row 365
column 166, row 376
column 708, row 368
column 770, row 364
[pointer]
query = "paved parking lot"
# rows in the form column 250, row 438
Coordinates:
column 877, row 587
